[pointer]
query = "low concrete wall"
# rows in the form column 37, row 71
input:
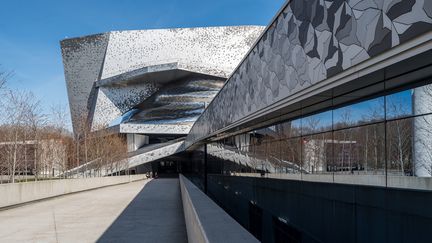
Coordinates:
column 206, row 221
column 17, row 193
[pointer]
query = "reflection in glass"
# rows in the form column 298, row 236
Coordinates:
column 317, row 123
column 422, row 132
column 229, row 143
column 399, row 147
column 422, row 100
column 260, row 156
column 242, row 140
column 273, row 157
column 399, row 105
column 289, row 129
column 346, row 151
column 248, row 153
column 361, row 143
column 316, row 149
column 361, row 113
column 422, row 143
column 266, row 134
column 254, row 162
column 359, row 150
column 291, row 154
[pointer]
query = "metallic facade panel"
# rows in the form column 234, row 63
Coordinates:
column 309, row 42
column 109, row 74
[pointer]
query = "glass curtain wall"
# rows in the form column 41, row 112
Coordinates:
column 388, row 137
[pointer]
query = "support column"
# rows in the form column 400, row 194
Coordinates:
column 135, row 141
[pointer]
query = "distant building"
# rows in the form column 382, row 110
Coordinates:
column 50, row 157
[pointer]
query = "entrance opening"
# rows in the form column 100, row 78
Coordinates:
column 166, row 168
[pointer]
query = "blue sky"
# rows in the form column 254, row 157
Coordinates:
column 30, row 31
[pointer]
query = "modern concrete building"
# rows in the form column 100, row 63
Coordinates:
column 321, row 132
column 150, row 85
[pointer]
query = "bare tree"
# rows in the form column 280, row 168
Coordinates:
column 26, row 135
column 4, row 77
column 314, row 145
column 3, row 155
column 17, row 109
column 341, row 151
column 34, row 121
column 58, row 120
column 399, row 138
column 81, row 137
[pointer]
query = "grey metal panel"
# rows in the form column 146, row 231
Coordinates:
column 113, row 101
column 211, row 50
column 83, row 62
column 179, row 103
column 309, row 42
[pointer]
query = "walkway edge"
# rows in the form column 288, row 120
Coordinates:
column 205, row 221
column 20, row 194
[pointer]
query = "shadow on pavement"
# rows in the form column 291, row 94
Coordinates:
column 154, row 215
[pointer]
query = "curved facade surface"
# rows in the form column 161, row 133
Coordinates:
column 182, row 102
column 310, row 42
column 109, row 74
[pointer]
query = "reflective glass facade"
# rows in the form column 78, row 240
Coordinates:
column 333, row 175
column 378, row 136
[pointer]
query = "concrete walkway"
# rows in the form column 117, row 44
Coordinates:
column 143, row 211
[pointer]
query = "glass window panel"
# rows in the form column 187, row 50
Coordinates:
column 253, row 160
column 260, row 156
column 422, row 146
column 320, row 122
column 230, row 161
column 243, row 149
column 255, row 138
column 229, row 142
column 360, row 113
column 291, row 154
column 245, row 155
column 267, row 134
column 242, row 140
column 260, row 151
column 399, row 104
column 242, row 159
column 220, row 144
column 213, row 162
column 273, row 157
column 315, row 152
column 289, row 129
column 359, row 150
column 259, row 135
column 399, row 147
column 211, row 148
column 237, row 140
